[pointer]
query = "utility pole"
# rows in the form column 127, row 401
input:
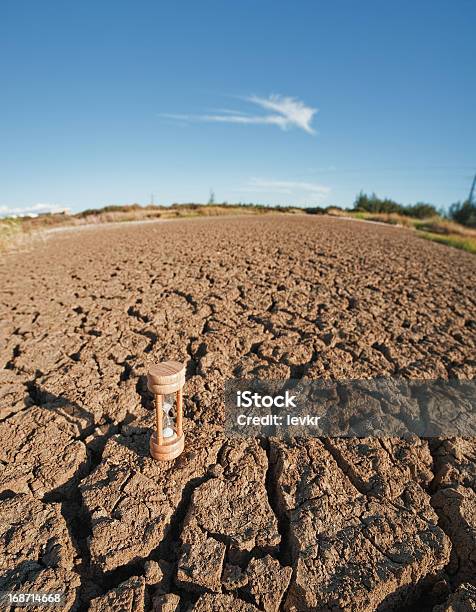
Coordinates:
column 151, row 199
column 471, row 193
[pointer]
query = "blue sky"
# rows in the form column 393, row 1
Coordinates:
column 274, row 102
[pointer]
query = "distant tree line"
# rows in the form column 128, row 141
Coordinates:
column 374, row 204
column 461, row 212
column 113, row 208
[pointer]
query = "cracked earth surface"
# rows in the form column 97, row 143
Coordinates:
column 321, row 524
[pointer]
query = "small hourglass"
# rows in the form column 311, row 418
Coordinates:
column 166, row 381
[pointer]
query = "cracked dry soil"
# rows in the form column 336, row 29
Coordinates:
column 321, row 524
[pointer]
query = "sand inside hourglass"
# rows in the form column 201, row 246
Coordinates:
column 168, row 422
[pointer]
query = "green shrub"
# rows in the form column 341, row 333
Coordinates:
column 464, row 213
column 374, row 204
column 420, row 210
column 315, row 210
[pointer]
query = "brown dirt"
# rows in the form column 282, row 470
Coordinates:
column 232, row 524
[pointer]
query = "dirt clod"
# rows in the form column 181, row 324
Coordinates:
column 127, row 597
column 37, row 551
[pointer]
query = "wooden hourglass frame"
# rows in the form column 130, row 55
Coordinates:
column 167, row 378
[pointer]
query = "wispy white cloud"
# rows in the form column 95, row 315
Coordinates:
column 291, row 112
column 298, row 191
column 36, row 209
column 286, row 113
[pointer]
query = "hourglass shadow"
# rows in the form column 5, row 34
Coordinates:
column 136, row 440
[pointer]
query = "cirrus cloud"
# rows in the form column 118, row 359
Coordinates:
column 285, row 112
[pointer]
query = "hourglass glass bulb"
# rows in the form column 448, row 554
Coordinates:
column 167, row 430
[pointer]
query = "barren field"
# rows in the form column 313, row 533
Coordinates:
column 318, row 524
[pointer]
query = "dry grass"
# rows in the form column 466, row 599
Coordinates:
column 437, row 225
column 433, row 225
column 9, row 229
column 458, row 242
column 434, row 228
column 390, row 218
